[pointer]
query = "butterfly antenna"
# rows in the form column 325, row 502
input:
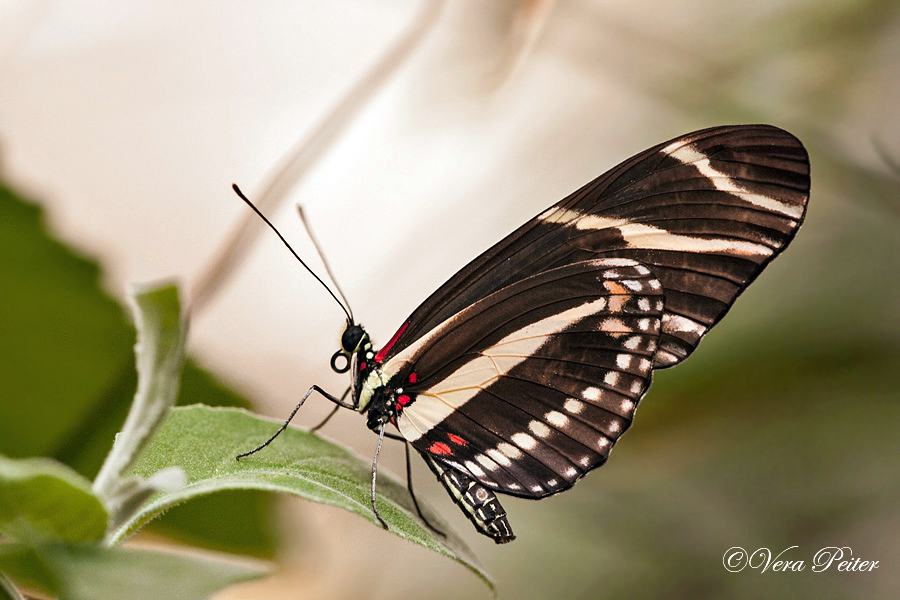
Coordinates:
column 241, row 195
column 322, row 258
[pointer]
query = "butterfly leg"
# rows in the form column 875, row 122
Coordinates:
column 337, row 407
column 375, row 474
column 409, row 484
column 412, row 494
column 478, row 503
column 315, row 388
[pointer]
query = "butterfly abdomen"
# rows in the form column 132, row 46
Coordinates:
column 478, row 503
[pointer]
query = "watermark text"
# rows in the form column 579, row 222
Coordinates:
column 835, row 558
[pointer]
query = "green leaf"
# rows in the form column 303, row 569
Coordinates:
column 81, row 572
column 204, row 441
column 160, row 356
column 234, row 521
column 41, row 499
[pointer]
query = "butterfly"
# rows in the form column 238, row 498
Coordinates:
column 520, row 373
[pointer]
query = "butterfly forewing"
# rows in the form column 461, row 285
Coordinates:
column 528, row 389
column 705, row 212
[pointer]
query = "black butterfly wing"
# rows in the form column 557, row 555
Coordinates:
column 706, row 212
column 528, row 389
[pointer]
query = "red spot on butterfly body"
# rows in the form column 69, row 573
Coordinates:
column 404, row 400
column 439, row 448
column 457, row 440
column 383, row 352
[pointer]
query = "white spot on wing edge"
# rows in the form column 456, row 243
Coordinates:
column 474, row 469
column 509, row 450
column 523, row 440
column 556, row 418
column 664, row 357
column 487, row 463
column 614, row 325
column 633, row 342
column 573, row 406
column 539, row 429
column 673, row 322
column 498, row 457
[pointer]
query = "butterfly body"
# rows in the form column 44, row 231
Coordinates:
column 520, row 373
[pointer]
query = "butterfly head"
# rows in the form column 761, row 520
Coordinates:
column 353, row 340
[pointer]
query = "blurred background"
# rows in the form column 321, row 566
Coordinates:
column 415, row 135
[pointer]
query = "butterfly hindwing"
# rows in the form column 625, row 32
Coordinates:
column 528, row 389
column 706, row 212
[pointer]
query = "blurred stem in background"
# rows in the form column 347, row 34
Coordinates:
column 300, row 159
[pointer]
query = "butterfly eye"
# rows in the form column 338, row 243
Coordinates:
column 335, row 362
column 351, row 337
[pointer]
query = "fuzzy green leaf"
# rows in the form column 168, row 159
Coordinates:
column 41, row 499
column 159, row 353
column 204, row 441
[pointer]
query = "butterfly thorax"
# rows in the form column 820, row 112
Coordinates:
column 371, row 394
column 375, row 393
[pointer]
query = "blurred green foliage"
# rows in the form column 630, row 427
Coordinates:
column 67, row 377
column 90, row 572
